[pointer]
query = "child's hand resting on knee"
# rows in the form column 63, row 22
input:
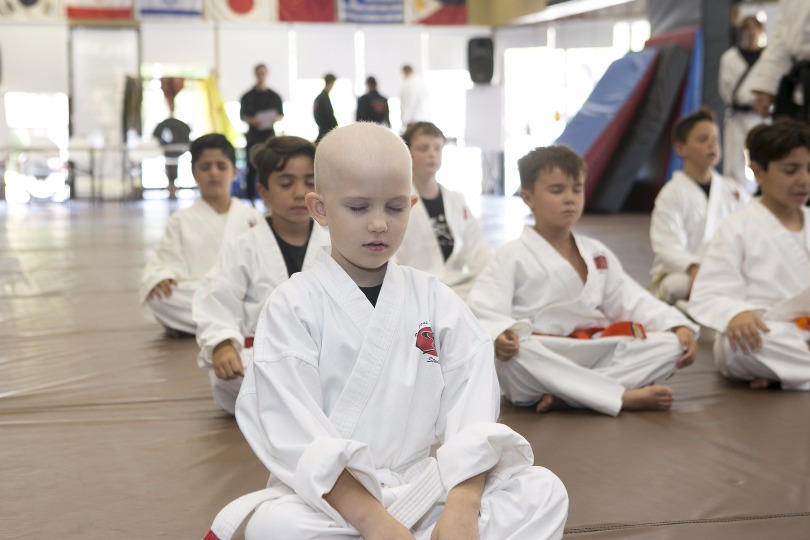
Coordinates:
column 226, row 360
column 688, row 346
column 507, row 345
column 744, row 332
column 163, row 289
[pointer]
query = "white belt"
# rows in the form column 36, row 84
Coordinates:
column 424, row 489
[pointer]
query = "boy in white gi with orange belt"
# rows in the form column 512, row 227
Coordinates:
column 193, row 237
column 754, row 284
column 360, row 366
column 227, row 304
column 550, row 287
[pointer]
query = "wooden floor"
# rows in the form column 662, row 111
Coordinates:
column 108, row 430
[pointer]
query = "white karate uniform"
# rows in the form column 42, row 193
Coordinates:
column 189, row 248
column 339, row 384
column 755, row 264
column 414, row 100
column 531, row 289
column 788, row 41
column 737, row 123
column 421, row 250
column 229, row 299
column 682, row 225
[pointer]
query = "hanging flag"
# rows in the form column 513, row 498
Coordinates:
column 218, row 121
column 306, row 10
column 372, row 11
column 28, row 9
column 437, row 11
column 172, row 8
column 99, row 9
column 240, row 10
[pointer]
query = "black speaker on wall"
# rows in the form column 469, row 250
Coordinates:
column 480, row 59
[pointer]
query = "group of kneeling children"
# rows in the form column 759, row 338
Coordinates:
column 365, row 320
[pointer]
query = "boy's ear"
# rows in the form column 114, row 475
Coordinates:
column 316, row 208
column 526, row 196
column 678, row 147
column 759, row 172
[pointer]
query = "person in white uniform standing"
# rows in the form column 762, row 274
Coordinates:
column 735, row 65
column 570, row 327
column 193, row 237
column 689, row 207
column 443, row 237
column 754, row 284
column 360, row 366
column 226, row 307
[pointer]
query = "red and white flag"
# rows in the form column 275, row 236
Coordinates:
column 240, row 10
column 29, row 9
column 307, row 10
column 99, row 9
column 436, row 11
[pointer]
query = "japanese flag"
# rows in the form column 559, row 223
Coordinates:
column 241, row 10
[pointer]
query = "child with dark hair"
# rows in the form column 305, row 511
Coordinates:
column 193, row 237
column 226, row 307
column 570, row 327
column 443, row 237
column 754, row 284
column 689, row 207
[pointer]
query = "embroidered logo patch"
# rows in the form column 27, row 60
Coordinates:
column 426, row 343
column 251, row 223
column 601, row 262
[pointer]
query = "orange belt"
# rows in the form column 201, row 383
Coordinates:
column 621, row 328
column 249, row 342
column 803, row 323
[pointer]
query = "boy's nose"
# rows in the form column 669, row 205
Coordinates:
column 377, row 224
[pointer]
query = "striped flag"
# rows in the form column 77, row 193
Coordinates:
column 28, row 9
column 99, row 9
column 306, row 10
column 372, row 11
column 240, row 10
column 437, row 11
column 173, row 8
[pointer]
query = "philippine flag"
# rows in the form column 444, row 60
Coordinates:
column 437, row 11
column 99, row 9
column 28, row 9
column 241, row 10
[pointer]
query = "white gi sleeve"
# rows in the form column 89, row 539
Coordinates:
column 217, row 306
column 626, row 300
column 491, row 299
column 668, row 234
column 167, row 261
column 473, row 442
column 719, row 292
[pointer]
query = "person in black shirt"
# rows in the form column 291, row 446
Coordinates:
column 372, row 106
column 260, row 108
column 322, row 108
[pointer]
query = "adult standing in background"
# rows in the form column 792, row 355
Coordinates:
column 413, row 98
column 322, row 108
column 735, row 65
column 261, row 108
column 788, row 45
column 373, row 106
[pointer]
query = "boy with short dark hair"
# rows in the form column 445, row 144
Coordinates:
column 193, row 237
column 689, row 207
column 570, row 327
column 754, row 285
column 227, row 305
column 360, row 366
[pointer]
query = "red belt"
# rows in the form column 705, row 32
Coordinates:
column 249, row 342
column 621, row 328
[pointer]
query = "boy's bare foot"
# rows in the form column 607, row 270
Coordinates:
column 649, row 398
column 549, row 403
column 760, row 383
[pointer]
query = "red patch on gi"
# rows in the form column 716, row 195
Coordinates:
column 425, row 341
column 601, row 262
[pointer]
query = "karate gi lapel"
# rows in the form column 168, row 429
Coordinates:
column 270, row 259
column 428, row 246
column 377, row 326
column 559, row 268
column 238, row 217
column 719, row 204
column 796, row 261
column 207, row 220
